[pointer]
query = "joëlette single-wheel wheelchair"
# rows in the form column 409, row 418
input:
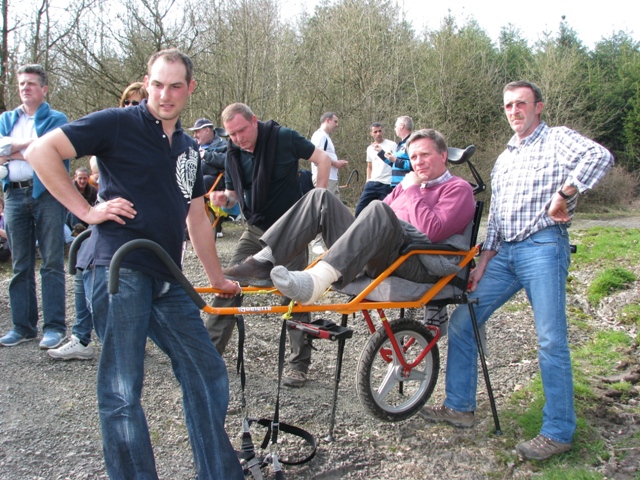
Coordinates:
column 398, row 368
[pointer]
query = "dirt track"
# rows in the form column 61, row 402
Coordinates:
column 49, row 427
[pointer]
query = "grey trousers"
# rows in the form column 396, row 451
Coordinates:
column 371, row 242
column 220, row 327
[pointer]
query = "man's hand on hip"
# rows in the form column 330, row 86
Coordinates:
column 558, row 209
column 117, row 209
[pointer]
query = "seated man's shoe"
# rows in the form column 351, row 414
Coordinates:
column 51, row 340
column 250, row 272
column 541, row 448
column 73, row 349
column 447, row 415
column 294, row 378
column 13, row 338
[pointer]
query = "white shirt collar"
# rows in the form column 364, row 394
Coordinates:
column 441, row 179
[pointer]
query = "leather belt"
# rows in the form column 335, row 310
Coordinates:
column 23, row 184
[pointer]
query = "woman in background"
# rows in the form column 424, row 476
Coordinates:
column 133, row 95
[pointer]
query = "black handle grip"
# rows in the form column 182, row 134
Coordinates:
column 124, row 250
column 73, row 250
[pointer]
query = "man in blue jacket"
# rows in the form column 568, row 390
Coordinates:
column 398, row 160
column 33, row 214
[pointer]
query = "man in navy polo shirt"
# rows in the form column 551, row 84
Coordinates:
column 151, row 179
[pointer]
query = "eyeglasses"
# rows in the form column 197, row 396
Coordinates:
column 131, row 102
column 518, row 105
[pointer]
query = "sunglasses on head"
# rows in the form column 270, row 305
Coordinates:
column 131, row 102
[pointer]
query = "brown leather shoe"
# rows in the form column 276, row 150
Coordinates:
column 448, row 415
column 294, row 378
column 250, row 272
column 541, row 448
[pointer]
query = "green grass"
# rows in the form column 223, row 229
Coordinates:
column 607, row 282
column 563, row 473
column 630, row 315
column 612, row 252
column 606, row 247
column 600, row 355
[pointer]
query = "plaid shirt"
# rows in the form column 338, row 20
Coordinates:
column 527, row 174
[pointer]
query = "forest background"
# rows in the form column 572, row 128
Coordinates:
column 359, row 58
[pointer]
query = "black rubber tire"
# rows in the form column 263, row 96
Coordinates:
column 374, row 372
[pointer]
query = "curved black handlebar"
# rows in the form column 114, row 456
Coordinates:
column 124, row 250
column 458, row 156
column 73, row 250
column 353, row 172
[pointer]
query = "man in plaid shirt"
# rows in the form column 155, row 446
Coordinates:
column 535, row 186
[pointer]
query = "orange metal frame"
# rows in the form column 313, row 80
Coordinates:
column 358, row 302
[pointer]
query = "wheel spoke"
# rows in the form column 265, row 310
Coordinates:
column 390, row 380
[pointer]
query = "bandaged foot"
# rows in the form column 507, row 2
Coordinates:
column 305, row 287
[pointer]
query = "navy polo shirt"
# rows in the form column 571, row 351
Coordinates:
column 137, row 163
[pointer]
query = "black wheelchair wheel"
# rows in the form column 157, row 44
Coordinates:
column 384, row 389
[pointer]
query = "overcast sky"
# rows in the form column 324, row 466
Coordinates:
column 591, row 21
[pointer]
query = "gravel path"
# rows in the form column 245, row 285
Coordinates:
column 49, row 427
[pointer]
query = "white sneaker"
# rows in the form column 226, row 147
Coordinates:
column 73, row 349
column 219, row 234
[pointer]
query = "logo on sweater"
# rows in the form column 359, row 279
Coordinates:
column 186, row 168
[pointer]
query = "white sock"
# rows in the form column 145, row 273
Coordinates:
column 265, row 255
column 305, row 287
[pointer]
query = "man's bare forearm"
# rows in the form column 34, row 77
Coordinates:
column 20, row 144
column 46, row 157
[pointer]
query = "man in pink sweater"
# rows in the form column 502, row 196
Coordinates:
column 430, row 205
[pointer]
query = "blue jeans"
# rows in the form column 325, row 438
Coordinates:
column 84, row 322
column 372, row 191
column 539, row 264
column 145, row 306
column 29, row 219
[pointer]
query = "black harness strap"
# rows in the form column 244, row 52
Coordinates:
column 252, row 463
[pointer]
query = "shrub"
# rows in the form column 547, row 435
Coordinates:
column 618, row 188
